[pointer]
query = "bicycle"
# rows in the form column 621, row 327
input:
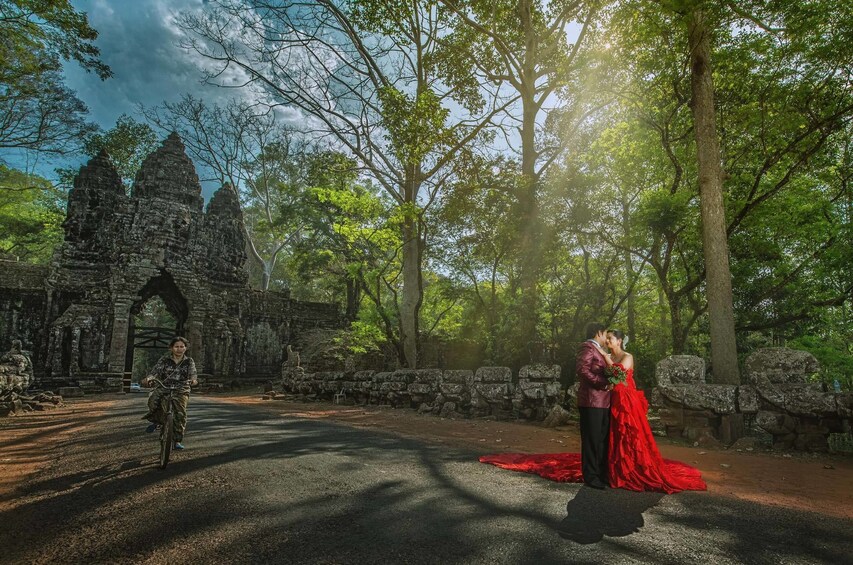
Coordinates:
column 167, row 430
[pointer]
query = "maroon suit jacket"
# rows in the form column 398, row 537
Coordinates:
column 590, row 370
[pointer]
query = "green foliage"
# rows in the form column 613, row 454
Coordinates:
column 414, row 124
column 128, row 143
column 834, row 355
column 662, row 212
column 31, row 216
column 363, row 336
column 36, row 30
column 39, row 112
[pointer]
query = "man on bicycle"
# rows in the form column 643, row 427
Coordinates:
column 175, row 369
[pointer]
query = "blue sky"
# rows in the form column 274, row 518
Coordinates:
column 139, row 41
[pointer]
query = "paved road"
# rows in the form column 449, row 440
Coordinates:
column 255, row 488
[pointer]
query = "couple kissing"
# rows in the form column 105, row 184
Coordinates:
column 618, row 449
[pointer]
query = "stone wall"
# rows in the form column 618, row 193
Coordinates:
column 488, row 391
column 23, row 304
column 778, row 406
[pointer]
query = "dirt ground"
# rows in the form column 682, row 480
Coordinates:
column 820, row 483
column 29, row 441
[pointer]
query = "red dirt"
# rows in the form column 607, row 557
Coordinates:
column 28, row 441
column 820, row 483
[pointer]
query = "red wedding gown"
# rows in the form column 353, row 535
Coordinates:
column 634, row 462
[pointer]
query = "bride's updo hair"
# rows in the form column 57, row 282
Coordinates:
column 620, row 335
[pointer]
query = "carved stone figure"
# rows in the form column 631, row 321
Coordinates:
column 16, row 369
column 292, row 357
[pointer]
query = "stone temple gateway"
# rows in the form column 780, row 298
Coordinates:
column 76, row 316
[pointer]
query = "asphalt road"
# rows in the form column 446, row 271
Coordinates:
column 252, row 487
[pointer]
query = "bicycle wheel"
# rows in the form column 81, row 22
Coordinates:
column 167, row 440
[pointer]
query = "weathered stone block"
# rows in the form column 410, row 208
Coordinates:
column 381, row 377
column 404, row 375
column 330, row 386
column 771, row 394
column 557, row 416
column 719, row 398
column 421, row 388
column 748, row 401
column 775, row 423
column 780, row 365
column 452, row 389
column 70, row 392
column 491, row 392
column 697, row 421
column 572, row 394
column 811, row 427
column 363, row 375
column 493, row 375
column 810, row 401
column 448, row 410
column 673, row 394
column 432, row 376
column 672, row 417
column 531, row 390
column 694, row 433
column 329, row 375
column 457, row 376
column 680, row 369
column 539, row 373
column 392, row 386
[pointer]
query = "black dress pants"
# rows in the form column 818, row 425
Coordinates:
column 595, row 428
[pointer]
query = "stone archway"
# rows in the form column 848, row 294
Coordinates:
column 156, row 336
column 159, row 240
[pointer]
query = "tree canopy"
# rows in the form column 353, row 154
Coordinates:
column 475, row 181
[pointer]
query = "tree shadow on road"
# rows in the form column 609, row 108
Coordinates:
column 593, row 514
column 254, row 488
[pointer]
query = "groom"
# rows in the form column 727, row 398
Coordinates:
column 594, row 405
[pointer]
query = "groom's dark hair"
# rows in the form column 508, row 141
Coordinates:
column 593, row 328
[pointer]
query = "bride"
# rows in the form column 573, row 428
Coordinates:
column 634, row 461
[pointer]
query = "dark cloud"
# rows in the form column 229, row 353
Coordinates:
column 139, row 41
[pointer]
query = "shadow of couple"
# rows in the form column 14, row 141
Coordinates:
column 593, row 514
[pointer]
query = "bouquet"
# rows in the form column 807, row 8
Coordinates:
column 616, row 375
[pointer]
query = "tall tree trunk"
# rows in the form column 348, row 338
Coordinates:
column 662, row 320
column 724, row 364
column 530, row 245
column 679, row 336
column 353, row 298
column 410, row 305
column 631, row 305
column 411, row 302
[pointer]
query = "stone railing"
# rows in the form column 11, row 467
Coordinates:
column 778, row 406
column 488, row 391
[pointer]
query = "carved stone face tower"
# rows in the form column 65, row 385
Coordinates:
column 120, row 251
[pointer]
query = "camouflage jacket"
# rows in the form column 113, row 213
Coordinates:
column 173, row 374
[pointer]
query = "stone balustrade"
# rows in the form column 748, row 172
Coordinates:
column 487, row 391
column 779, row 405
